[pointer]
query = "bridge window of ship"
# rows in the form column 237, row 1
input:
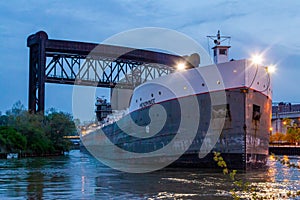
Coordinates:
column 222, row 52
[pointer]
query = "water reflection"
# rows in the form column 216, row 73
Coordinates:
column 35, row 185
column 80, row 176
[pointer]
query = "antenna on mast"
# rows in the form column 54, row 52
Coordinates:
column 220, row 49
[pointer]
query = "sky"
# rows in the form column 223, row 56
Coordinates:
column 268, row 27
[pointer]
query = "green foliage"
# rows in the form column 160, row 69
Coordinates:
column 293, row 131
column 3, row 120
column 276, row 137
column 293, row 135
column 12, row 140
column 59, row 124
column 44, row 134
column 253, row 191
column 285, row 161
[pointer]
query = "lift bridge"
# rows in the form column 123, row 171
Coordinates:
column 89, row 64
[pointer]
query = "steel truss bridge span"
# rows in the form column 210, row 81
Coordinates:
column 90, row 64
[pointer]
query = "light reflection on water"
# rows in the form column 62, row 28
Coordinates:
column 79, row 176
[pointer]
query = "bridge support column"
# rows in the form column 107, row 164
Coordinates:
column 37, row 63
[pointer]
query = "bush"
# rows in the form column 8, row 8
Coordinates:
column 12, row 140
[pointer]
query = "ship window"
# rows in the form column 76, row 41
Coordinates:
column 159, row 92
column 222, row 52
column 136, row 100
column 203, row 84
column 257, row 83
column 140, row 99
column 152, row 95
column 218, row 82
column 256, row 112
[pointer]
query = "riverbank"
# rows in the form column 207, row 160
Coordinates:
column 289, row 150
column 32, row 155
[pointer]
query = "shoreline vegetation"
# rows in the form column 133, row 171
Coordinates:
column 34, row 135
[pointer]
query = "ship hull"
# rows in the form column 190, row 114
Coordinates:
column 242, row 142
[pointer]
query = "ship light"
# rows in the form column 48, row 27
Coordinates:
column 271, row 69
column 257, row 59
column 180, row 66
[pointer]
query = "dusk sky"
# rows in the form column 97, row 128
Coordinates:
column 271, row 27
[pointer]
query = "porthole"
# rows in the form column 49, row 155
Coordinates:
column 136, row 101
column 140, row 99
column 152, row 95
column 218, row 82
column 203, row 84
column 159, row 92
column 257, row 83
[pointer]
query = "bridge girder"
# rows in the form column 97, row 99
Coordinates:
column 79, row 63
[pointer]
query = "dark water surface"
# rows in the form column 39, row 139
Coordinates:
column 80, row 176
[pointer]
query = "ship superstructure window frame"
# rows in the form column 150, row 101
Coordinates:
column 223, row 51
column 256, row 114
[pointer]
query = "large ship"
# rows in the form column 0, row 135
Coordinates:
column 180, row 119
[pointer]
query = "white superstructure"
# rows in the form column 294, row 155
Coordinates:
column 233, row 74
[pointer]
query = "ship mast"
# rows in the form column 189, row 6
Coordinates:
column 221, row 47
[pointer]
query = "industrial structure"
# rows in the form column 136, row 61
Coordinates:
column 281, row 111
column 90, row 64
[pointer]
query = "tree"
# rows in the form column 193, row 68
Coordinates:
column 3, row 120
column 11, row 139
column 277, row 137
column 293, row 131
column 293, row 135
column 59, row 124
column 44, row 134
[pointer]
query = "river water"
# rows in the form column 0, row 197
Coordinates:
column 79, row 176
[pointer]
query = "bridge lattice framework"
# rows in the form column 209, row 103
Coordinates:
column 90, row 64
